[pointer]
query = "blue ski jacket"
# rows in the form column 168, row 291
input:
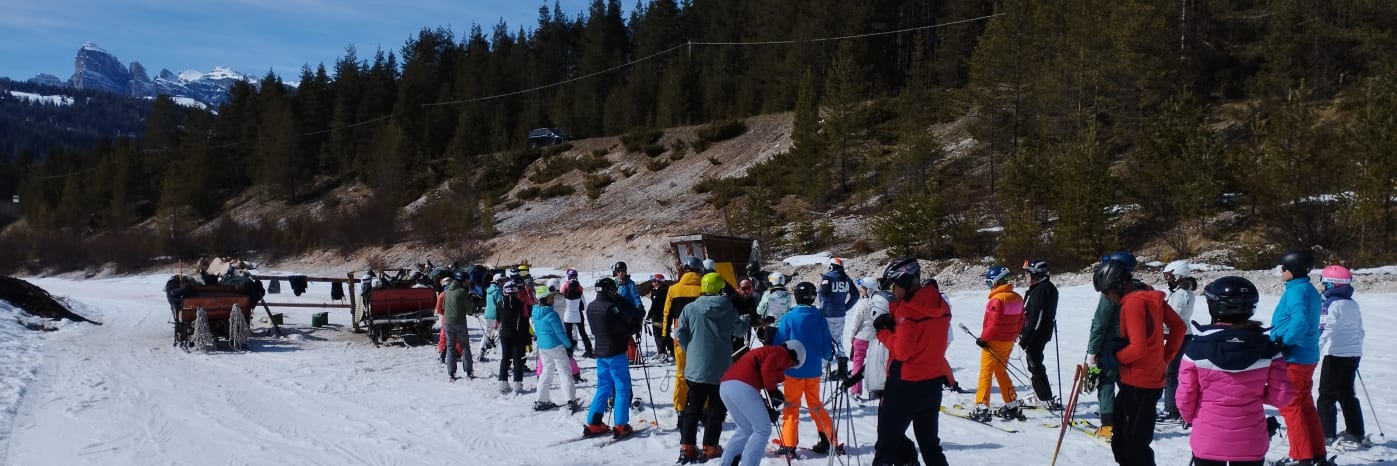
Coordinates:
column 1295, row 324
column 804, row 323
column 837, row 294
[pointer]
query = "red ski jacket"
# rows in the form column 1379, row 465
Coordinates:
column 762, row 368
column 919, row 337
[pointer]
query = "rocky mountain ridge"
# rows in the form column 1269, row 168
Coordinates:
column 96, row 68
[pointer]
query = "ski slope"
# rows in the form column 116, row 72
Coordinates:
column 119, row 394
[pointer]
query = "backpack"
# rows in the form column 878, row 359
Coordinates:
column 573, row 290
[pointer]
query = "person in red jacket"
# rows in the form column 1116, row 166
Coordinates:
column 915, row 330
column 759, row 369
column 1003, row 321
column 1142, row 354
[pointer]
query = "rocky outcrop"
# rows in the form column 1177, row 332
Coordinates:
column 95, row 68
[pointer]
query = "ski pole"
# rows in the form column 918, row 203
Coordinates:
column 1057, row 355
column 1370, row 402
column 655, row 417
column 996, row 357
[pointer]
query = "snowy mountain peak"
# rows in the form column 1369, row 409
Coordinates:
column 92, row 47
column 96, row 68
column 190, row 75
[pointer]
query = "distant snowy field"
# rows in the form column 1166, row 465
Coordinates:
column 119, row 394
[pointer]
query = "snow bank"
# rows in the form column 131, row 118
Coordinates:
column 19, row 361
column 808, row 259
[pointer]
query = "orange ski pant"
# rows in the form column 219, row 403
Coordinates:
column 790, row 415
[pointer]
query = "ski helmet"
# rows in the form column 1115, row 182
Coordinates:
column 572, row 273
column 836, row 263
column 1336, row 274
column 511, row 273
column 804, row 293
column 554, row 284
column 1111, row 275
column 542, row 291
column 709, row 265
column 1036, row 268
column 605, row 285
column 446, row 281
column 659, row 277
column 509, row 287
column 524, row 270
column 1124, row 257
column 1298, row 262
column 618, row 267
column 693, row 264
column 904, row 272
column 777, row 279
column 1178, row 268
column 499, row 277
column 995, row 275
column 712, row 284
column 869, row 283
column 798, row 349
column 1231, row 297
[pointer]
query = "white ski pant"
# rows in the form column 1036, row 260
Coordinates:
column 836, row 330
column 555, row 361
column 753, row 423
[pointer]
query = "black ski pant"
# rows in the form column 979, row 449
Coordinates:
column 1171, row 378
column 580, row 327
column 1202, row 462
column 1134, row 425
column 700, row 395
column 661, row 341
column 512, row 356
column 1037, row 372
column 904, row 403
column 1336, row 386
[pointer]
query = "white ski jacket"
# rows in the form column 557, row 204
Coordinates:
column 1341, row 329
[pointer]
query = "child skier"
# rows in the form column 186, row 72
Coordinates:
column 553, row 346
column 1227, row 372
column 861, row 328
column 1341, row 344
column 774, row 304
column 1002, row 324
column 806, row 324
column 760, row 369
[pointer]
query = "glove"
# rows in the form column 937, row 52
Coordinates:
column 1272, row 425
column 776, row 398
column 853, row 379
column 771, row 412
column 981, row 343
column 884, row 322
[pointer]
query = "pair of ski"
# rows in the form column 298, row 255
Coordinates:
column 605, row 443
column 775, row 450
column 957, row 411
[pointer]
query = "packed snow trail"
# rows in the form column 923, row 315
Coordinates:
column 120, row 394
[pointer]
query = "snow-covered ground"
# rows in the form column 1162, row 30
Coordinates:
column 59, row 100
column 119, row 394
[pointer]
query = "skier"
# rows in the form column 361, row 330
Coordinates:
column 625, row 285
column 441, row 321
column 760, row 369
column 774, row 304
column 613, row 322
column 659, row 288
column 1228, row 371
column 744, row 301
column 685, row 291
column 1040, row 320
column 1341, row 344
column 758, row 278
column 806, row 324
column 1180, row 299
column 836, row 297
column 457, row 304
column 1001, row 326
column 560, row 306
column 574, row 319
column 1142, row 353
column 513, row 319
column 861, row 329
column 493, row 296
column 1295, row 326
column 706, row 329
column 1105, row 325
column 552, row 348
column 914, row 330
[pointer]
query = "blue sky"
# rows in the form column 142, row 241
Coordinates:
column 252, row 36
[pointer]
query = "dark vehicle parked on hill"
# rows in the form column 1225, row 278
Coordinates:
column 546, row 137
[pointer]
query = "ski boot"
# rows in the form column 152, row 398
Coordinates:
column 504, row 387
column 981, row 413
column 1168, row 416
column 573, row 407
column 1104, row 432
column 441, row 356
column 595, row 430
column 1012, row 410
column 789, row 453
column 712, row 452
column 621, row 431
column 545, row 406
column 822, row 447
column 688, row 454
column 518, row 387
column 1349, row 442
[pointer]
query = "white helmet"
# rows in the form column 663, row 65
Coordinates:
column 871, row 283
column 777, row 279
column 709, row 265
column 799, row 349
column 1179, row 268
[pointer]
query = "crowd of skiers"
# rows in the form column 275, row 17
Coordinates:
column 760, row 351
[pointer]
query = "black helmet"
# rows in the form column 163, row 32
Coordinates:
column 693, row 264
column 1111, row 275
column 805, row 293
column 618, row 267
column 1231, row 297
column 605, row 285
column 903, row 271
column 1298, row 262
column 1124, row 257
column 1036, row 268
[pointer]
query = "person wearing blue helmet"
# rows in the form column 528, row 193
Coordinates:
column 1104, row 325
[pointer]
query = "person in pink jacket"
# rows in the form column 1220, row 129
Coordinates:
column 1227, row 372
